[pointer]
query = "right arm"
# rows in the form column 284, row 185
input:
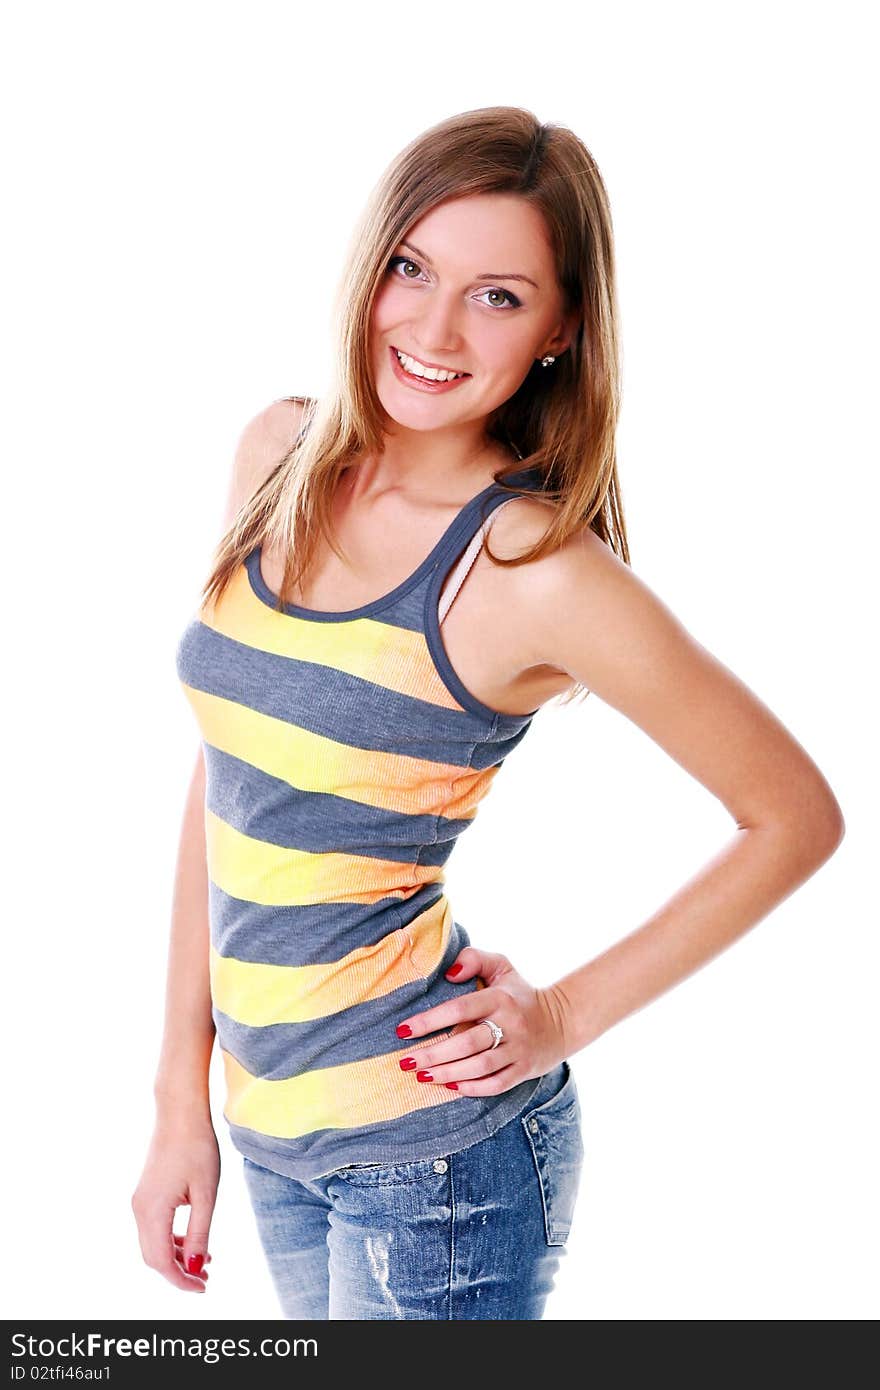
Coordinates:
column 183, row 1163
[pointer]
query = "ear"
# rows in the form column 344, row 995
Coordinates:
column 565, row 334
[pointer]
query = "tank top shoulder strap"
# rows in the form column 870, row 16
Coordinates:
column 498, row 497
column 465, row 563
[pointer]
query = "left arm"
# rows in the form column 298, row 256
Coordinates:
column 597, row 621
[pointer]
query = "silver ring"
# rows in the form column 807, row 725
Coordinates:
column 497, row 1034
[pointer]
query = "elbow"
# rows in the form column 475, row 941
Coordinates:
column 818, row 829
column 825, row 821
column 812, row 826
column 821, row 840
column 834, row 830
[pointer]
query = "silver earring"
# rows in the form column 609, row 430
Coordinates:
column 546, row 361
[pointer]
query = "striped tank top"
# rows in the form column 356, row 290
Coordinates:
column 343, row 758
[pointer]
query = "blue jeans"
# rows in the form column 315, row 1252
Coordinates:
column 476, row 1234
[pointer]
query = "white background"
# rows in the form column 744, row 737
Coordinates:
column 181, row 180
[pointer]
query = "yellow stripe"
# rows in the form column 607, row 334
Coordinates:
column 313, row 763
column 394, row 657
column 258, row 872
column 260, row 994
column 344, row 1097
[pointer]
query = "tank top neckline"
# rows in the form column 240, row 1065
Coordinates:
column 326, row 615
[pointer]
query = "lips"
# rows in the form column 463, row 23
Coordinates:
column 419, row 383
column 438, row 365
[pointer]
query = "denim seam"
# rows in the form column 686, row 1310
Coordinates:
column 532, row 1141
column 452, row 1252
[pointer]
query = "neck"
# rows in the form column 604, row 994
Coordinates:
column 427, row 470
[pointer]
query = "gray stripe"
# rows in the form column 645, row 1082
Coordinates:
column 311, row 934
column 323, row 700
column 270, row 810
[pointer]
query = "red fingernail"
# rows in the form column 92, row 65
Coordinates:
column 407, row 1063
column 404, row 1030
column 451, row 1085
column 424, row 1076
column 454, row 969
column 194, row 1264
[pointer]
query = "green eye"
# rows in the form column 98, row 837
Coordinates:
column 511, row 298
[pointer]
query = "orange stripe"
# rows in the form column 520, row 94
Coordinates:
column 343, row 1097
column 258, row 872
column 257, row 994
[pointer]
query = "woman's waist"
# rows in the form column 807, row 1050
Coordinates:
column 405, row 964
column 348, row 1040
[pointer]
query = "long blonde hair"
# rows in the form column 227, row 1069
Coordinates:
column 562, row 420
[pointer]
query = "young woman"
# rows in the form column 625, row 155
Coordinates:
column 363, row 659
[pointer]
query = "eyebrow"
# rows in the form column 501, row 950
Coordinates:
column 481, row 275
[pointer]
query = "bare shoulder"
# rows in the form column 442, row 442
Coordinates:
column 267, row 437
column 588, row 614
column 519, row 525
column 263, row 442
column 578, row 561
column 594, row 617
column 561, row 594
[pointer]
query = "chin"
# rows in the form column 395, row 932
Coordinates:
column 419, row 421
column 417, row 412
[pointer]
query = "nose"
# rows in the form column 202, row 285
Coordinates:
column 436, row 328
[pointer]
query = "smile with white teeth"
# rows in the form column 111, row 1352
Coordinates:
column 416, row 368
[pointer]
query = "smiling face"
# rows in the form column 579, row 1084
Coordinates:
column 471, row 289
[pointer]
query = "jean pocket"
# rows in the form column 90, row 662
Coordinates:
column 392, row 1174
column 553, row 1129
